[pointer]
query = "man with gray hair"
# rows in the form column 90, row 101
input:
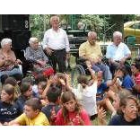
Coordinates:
column 56, row 44
column 91, row 51
column 118, row 52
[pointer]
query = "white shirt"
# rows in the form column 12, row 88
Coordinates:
column 117, row 52
column 56, row 40
column 87, row 97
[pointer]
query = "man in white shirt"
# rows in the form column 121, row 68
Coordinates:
column 56, row 44
column 117, row 52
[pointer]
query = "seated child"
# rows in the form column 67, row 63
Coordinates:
column 32, row 114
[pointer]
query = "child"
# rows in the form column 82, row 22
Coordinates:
column 9, row 110
column 41, row 87
column 53, row 97
column 72, row 112
column 135, row 68
column 32, row 114
column 26, row 93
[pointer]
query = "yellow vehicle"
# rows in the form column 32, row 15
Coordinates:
column 132, row 29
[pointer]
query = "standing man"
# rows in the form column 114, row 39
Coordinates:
column 91, row 51
column 56, row 44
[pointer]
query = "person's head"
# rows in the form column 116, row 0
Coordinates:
column 92, row 37
column 53, row 95
column 129, row 107
column 82, row 79
column 99, row 78
column 6, row 44
column 34, row 43
column 58, row 76
column 41, row 86
column 135, row 67
column 54, row 21
column 7, row 93
column 11, row 80
column 32, row 107
column 118, row 96
column 122, row 71
column 117, row 38
column 69, row 102
column 26, row 89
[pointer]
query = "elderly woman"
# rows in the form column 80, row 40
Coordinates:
column 8, row 61
column 34, row 53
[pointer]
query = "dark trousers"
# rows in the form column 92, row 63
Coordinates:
column 59, row 57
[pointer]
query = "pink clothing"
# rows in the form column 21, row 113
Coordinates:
column 73, row 120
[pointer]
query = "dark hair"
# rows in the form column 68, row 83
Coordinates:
column 82, row 79
column 9, row 89
column 53, row 94
column 11, row 80
column 67, row 96
column 136, row 63
column 24, row 87
column 42, row 84
column 123, row 69
column 35, row 103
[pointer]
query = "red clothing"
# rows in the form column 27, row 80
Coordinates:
column 73, row 118
column 137, row 79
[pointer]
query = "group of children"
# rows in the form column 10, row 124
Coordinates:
column 53, row 101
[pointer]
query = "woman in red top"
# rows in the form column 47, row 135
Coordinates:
column 72, row 112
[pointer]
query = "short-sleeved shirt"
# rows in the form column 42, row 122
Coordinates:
column 8, row 112
column 117, row 52
column 119, row 120
column 40, row 119
column 92, row 51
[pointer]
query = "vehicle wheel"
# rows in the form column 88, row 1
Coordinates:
column 75, row 73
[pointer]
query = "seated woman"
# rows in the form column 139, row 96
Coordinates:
column 35, row 54
column 8, row 62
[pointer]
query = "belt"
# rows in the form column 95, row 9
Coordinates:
column 58, row 50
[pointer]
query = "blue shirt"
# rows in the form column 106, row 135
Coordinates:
column 128, row 82
column 100, row 91
column 117, row 52
column 9, row 112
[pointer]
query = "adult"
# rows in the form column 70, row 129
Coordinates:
column 56, row 44
column 91, row 51
column 35, row 54
column 118, row 52
column 8, row 61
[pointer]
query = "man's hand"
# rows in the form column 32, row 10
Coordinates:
column 49, row 51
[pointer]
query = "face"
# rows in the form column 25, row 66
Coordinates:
column 40, row 89
column 5, row 97
column 55, row 23
column 29, row 92
column 99, row 80
column 30, row 113
column 130, row 110
column 8, row 46
column 116, row 102
column 70, row 105
column 134, row 70
column 35, row 44
column 117, row 40
column 92, row 39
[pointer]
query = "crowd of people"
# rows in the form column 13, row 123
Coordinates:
column 110, row 94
